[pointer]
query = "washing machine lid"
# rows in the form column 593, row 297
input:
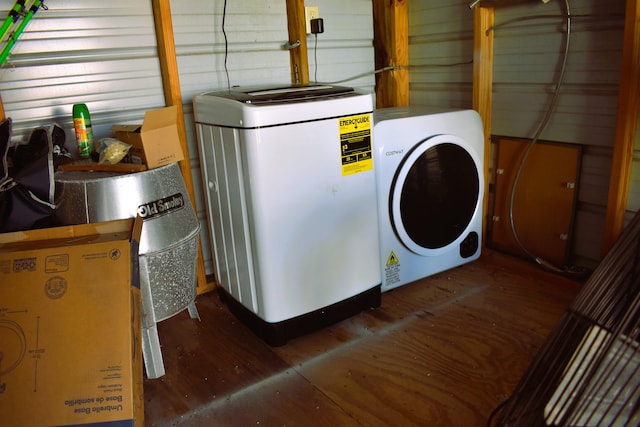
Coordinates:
column 258, row 107
column 281, row 93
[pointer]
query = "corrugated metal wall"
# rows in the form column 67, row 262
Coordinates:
column 344, row 51
column 100, row 53
column 440, row 53
column 105, row 55
column 633, row 203
column 529, row 42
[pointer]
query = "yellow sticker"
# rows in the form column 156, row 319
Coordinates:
column 355, row 143
column 393, row 259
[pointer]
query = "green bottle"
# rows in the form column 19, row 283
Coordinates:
column 84, row 132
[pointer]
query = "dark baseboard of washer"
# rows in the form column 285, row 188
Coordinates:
column 277, row 334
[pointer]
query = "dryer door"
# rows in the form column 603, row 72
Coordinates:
column 435, row 193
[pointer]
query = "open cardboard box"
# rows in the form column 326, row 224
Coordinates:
column 155, row 142
column 70, row 349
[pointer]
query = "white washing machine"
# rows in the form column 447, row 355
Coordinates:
column 430, row 184
column 291, row 202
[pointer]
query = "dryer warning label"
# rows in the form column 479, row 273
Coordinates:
column 393, row 259
column 392, row 270
column 355, row 144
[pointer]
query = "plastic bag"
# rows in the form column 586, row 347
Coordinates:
column 112, row 151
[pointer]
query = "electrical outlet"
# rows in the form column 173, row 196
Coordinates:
column 310, row 12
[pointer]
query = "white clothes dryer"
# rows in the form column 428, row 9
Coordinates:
column 430, row 183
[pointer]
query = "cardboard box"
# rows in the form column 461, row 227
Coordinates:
column 156, row 142
column 70, row 327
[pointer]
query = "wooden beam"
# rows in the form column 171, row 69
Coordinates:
column 483, row 87
column 298, row 33
column 626, row 126
column 173, row 96
column 391, row 42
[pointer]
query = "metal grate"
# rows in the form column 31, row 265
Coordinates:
column 588, row 371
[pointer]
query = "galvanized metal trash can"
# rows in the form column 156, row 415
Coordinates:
column 168, row 245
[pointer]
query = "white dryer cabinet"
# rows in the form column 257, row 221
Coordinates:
column 291, row 202
column 430, row 180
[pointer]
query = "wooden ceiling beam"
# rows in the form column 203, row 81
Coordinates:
column 298, row 55
column 482, row 97
column 391, row 43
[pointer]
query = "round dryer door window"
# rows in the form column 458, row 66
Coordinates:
column 435, row 193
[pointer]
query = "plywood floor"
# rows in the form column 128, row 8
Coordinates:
column 443, row 351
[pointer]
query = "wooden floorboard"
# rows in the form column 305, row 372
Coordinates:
column 443, row 351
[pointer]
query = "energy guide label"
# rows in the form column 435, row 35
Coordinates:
column 355, row 144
